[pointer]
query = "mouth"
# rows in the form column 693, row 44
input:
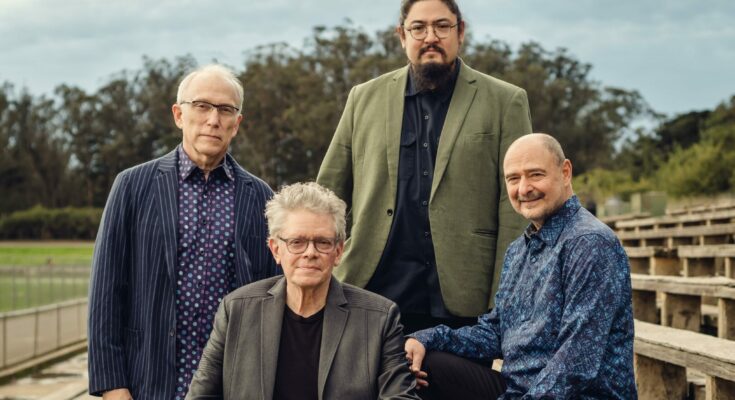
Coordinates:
column 432, row 50
column 210, row 137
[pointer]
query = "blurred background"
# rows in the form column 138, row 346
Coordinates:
column 641, row 95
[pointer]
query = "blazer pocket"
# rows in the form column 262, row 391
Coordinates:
column 479, row 137
column 485, row 232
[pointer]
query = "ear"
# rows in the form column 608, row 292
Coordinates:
column 339, row 250
column 236, row 128
column 273, row 246
column 176, row 111
column 460, row 32
column 401, row 35
column 566, row 171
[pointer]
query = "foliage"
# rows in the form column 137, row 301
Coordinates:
column 602, row 183
column 45, row 253
column 42, row 223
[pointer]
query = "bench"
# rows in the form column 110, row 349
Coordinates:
column 704, row 260
column 681, row 301
column 673, row 237
column 679, row 221
column 663, row 354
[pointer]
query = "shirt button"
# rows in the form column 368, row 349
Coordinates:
column 426, row 116
column 426, row 234
column 389, row 212
column 426, row 173
column 171, row 332
column 426, row 145
column 424, row 203
column 201, row 251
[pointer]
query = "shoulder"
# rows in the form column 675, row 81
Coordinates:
column 362, row 299
column 380, row 83
column 588, row 238
column 256, row 289
column 489, row 82
column 260, row 187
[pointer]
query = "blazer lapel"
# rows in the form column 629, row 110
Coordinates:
column 271, row 319
column 335, row 319
column 462, row 98
column 393, row 124
column 166, row 193
column 243, row 205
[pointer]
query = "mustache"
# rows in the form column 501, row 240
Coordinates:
column 432, row 47
column 531, row 196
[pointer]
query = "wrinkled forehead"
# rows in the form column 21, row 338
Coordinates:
column 211, row 87
column 528, row 156
column 429, row 11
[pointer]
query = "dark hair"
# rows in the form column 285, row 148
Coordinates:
column 407, row 4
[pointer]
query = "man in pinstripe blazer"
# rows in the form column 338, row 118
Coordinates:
column 178, row 233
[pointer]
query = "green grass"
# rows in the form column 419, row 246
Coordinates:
column 46, row 252
column 21, row 293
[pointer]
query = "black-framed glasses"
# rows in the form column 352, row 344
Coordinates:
column 299, row 245
column 421, row 31
column 204, row 107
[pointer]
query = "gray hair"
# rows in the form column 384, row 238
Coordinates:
column 216, row 69
column 308, row 196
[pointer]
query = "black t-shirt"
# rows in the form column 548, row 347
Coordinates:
column 298, row 357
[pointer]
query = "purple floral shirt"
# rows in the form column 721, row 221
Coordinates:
column 206, row 256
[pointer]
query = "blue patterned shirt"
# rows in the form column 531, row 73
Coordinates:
column 563, row 321
column 206, row 258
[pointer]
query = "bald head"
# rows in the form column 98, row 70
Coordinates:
column 537, row 176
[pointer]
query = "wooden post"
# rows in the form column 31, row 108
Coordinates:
column 644, row 306
column 665, row 266
column 726, row 319
column 699, row 266
column 659, row 380
column 719, row 389
column 730, row 267
column 681, row 311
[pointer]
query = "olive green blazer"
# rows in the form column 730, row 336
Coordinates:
column 472, row 221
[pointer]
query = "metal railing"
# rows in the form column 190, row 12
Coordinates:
column 27, row 334
column 23, row 287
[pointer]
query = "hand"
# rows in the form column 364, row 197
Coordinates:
column 117, row 394
column 415, row 352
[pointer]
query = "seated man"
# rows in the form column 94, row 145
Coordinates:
column 562, row 321
column 304, row 335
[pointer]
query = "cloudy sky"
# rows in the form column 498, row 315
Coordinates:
column 680, row 54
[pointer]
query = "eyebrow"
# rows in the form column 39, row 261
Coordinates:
column 444, row 19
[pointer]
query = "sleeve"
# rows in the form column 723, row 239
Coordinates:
column 395, row 380
column 336, row 171
column 207, row 381
column 270, row 267
column 478, row 342
column 593, row 290
column 107, row 293
column 516, row 123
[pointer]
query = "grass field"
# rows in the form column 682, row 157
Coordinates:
column 45, row 253
column 33, row 274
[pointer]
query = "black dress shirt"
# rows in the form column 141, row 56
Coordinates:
column 407, row 272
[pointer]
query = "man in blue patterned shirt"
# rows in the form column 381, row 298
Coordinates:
column 563, row 321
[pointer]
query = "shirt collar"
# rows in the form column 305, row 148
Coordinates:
column 187, row 166
column 444, row 92
column 552, row 227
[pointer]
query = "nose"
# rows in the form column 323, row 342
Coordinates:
column 213, row 117
column 431, row 35
column 524, row 186
column 310, row 251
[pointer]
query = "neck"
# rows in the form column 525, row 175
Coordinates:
column 306, row 301
column 205, row 162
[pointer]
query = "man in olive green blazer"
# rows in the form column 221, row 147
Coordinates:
column 471, row 219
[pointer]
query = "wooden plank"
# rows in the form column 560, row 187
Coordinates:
column 654, row 251
column 670, row 219
column 730, row 267
column 659, row 380
column 713, row 356
column 694, row 231
column 717, row 286
column 719, row 389
column 681, row 311
column 726, row 319
column 644, row 306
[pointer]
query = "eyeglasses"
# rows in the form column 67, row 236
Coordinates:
column 441, row 30
column 299, row 245
column 204, row 107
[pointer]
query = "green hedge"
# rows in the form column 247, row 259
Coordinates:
column 44, row 223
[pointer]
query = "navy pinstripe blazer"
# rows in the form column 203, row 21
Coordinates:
column 132, row 320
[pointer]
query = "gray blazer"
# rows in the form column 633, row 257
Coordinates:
column 361, row 354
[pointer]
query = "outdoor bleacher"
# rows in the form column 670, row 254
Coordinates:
column 684, row 301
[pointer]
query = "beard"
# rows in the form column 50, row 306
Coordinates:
column 432, row 75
